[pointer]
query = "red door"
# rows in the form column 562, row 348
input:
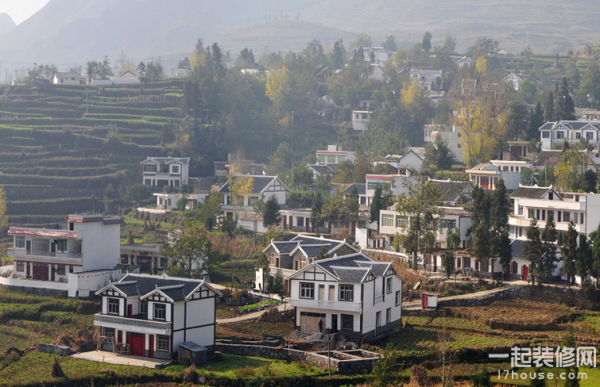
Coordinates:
column 525, row 272
column 151, row 345
column 40, row 271
column 136, row 344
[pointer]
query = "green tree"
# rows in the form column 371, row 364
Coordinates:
column 419, row 205
column 377, row 204
column 137, row 193
column 335, row 211
column 352, row 204
column 438, row 153
column 208, row 211
column 549, row 239
column 426, row 42
column 585, row 263
column 390, row 44
column 499, row 226
column 536, row 120
column 565, row 108
column 182, row 203
column 262, row 262
column 363, row 40
column 482, row 378
column 549, row 108
column 316, row 210
column 534, row 250
column 281, row 160
column 481, row 245
column 190, row 253
column 569, row 253
column 338, row 55
column 448, row 262
column 526, row 176
column 449, row 44
column 271, row 214
column 278, row 286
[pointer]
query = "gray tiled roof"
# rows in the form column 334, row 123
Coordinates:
column 529, row 192
column 167, row 160
column 313, row 250
column 259, row 183
column 350, row 274
column 145, row 284
column 320, row 168
column 286, row 247
column 518, row 248
column 361, row 188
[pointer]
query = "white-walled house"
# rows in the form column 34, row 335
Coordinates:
column 151, row 316
column 66, row 78
column 410, row 160
column 349, row 294
column 293, row 255
column 486, row 175
column 77, row 260
column 165, row 171
column 554, row 134
column 450, row 135
column 334, row 155
column 360, row 118
column 427, row 79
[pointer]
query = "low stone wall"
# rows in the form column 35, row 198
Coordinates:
column 42, row 288
column 346, row 367
column 57, row 349
column 505, row 294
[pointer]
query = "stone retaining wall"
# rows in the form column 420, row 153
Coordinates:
column 57, row 349
column 508, row 293
column 345, row 367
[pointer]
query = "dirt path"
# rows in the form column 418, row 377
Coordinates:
column 417, row 304
column 249, row 316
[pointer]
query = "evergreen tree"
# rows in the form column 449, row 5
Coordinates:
column 278, row 286
column 352, row 204
column 448, row 262
column 549, row 108
column 426, row 42
column 569, row 252
column 595, row 255
column 549, row 248
column 316, row 210
column 499, row 224
column 534, row 250
column 481, row 207
column 338, row 55
column 536, row 120
column 584, row 262
column 565, row 108
column 376, row 204
column 481, row 244
column 271, row 214
column 505, row 251
column 438, row 153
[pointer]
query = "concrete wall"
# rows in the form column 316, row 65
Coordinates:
column 355, row 366
column 85, row 284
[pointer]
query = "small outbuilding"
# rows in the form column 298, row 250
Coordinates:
column 429, row 300
column 192, row 354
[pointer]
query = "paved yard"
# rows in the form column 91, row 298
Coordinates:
column 111, row 358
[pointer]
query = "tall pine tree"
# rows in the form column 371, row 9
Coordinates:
column 565, row 108
column 499, row 225
column 271, row 214
column 569, row 252
column 534, row 250
column 549, row 247
column 549, row 107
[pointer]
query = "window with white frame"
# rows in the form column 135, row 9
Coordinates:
column 581, row 218
column 531, row 213
column 566, row 216
column 387, row 220
column 520, row 210
column 378, row 319
column 20, row 266
column 398, row 299
column 330, row 159
column 307, row 290
column 388, row 315
column 448, row 223
column 113, row 305
column 560, row 135
column 162, row 343
column 160, row 311
column 150, row 168
column 346, row 292
column 109, row 332
column 347, row 322
column 589, row 135
column 143, row 306
column 321, row 159
column 388, row 285
column 174, row 168
column 19, row 241
column 401, row 221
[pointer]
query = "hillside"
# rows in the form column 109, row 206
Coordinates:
column 55, row 158
column 6, row 23
column 69, row 32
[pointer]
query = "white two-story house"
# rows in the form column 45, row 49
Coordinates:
column 349, row 294
column 293, row 255
column 487, row 175
column 583, row 209
column 90, row 242
column 151, row 316
column 165, row 171
column 554, row 134
column 334, row 154
column 261, row 188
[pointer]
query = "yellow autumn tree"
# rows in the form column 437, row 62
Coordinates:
column 240, row 185
column 481, row 65
column 279, row 91
column 411, row 93
column 3, row 217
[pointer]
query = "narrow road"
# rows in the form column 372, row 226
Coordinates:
column 250, row 316
column 417, row 304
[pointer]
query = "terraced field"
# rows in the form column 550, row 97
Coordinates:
column 60, row 146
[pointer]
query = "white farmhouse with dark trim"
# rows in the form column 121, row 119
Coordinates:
column 554, row 134
column 350, row 294
column 166, row 171
column 152, row 316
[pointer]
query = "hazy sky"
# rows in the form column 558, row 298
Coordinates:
column 20, row 10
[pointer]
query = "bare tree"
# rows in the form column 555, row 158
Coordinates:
column 446, row 357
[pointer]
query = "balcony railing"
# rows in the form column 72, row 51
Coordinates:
column 132, row 322
column 40, row 253
column 349, row 306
